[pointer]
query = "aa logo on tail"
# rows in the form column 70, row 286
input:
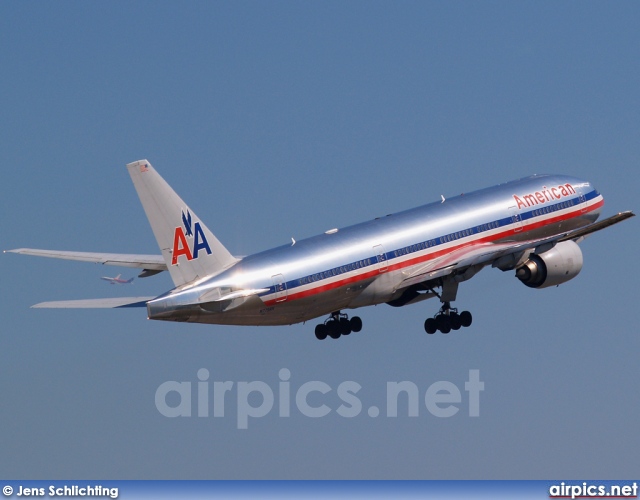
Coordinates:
column 180, row 243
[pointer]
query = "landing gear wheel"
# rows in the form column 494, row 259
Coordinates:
column 334, row 329
column 321, row 331
column 466, row 318
column 456, row 321
column 345, row 326
column 356, row 324
column 444, row 323
column 430, row 326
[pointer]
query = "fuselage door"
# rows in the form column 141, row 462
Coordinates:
column 382, row 258
column 583, row 203
column 280, row 286
column 516, row 219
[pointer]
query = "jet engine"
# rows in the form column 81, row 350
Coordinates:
column 553, row 267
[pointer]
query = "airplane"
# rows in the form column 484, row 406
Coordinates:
column 531, row 226
column 117, row 280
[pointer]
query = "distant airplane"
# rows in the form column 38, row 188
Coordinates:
column 117, row 280
column 530, row 226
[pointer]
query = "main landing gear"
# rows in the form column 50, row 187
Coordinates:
column 447, row 319
column 338, row 324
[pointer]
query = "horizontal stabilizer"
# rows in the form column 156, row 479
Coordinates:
column 153, row 262
column 112, row 303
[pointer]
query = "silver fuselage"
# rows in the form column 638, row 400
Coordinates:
column 367, row 263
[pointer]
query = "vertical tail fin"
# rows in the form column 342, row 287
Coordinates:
column 189, row 249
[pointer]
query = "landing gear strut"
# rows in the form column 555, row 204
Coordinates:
column 338, row 324
column 447, row 319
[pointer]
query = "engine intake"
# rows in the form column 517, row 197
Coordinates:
column 555, row 266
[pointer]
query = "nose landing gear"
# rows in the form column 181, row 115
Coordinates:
column 336, row 325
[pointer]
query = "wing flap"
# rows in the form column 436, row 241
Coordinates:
column 458, row 259
column 111, row 303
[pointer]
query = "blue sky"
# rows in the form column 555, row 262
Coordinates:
column 284, row 119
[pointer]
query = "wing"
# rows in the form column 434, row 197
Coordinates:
column 597, row 226
column 497, row 253
column 112, row 303
column 152, row 264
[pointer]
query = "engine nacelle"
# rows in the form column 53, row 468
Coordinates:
column 553, row 267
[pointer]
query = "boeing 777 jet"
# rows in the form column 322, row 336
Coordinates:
column 530, row 226
column 117, row 280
